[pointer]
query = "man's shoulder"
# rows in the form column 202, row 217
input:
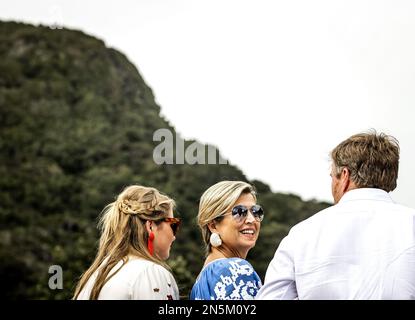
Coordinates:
column 404, row 208
column 316, row 218
column 322, row 216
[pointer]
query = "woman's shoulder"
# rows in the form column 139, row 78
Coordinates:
column 228, row 269
column 139, row 264
column 230, row 264
column 230, row 278
column 154, row 282
column 134, row 268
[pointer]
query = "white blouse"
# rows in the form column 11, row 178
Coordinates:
column 138, row 279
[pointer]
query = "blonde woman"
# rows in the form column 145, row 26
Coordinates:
column 230, row 220
column 137, row 231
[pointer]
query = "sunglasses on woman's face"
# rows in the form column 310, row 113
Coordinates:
column 240, row 212
column 174, row 224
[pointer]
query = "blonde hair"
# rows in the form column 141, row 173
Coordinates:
column 123, row 232
column 372, row 159
column 216, row 201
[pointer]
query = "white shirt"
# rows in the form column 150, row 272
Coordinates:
column 138, row 279
column 361, row 248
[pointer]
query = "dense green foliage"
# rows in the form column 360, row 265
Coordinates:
column 77, row 124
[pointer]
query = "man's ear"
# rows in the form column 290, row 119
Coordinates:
column 345, row 179
column 149, row 226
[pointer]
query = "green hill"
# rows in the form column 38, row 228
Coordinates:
column 76, row 126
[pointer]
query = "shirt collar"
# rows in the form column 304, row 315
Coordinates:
column 366, row 194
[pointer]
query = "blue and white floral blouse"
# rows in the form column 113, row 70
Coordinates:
column 226, row 279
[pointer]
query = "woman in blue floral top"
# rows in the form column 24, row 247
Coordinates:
column 230, row 221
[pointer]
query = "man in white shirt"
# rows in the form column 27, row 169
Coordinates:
column 363, row 247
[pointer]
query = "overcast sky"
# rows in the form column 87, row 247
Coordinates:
column 274, row 84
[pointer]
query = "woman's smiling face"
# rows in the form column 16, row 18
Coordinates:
column 239, row 235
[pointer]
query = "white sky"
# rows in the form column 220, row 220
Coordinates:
column 274, row 84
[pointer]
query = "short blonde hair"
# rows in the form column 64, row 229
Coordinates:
column 216, row 201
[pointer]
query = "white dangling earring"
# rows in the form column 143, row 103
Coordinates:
column 215, row 239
